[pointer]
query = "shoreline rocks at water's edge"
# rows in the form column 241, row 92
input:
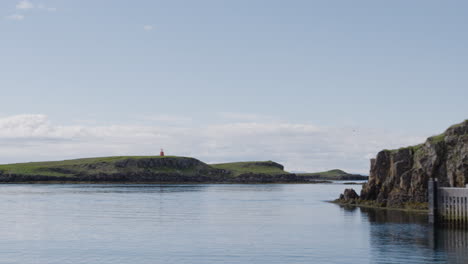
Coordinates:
column 350, row 196
column 398, row 178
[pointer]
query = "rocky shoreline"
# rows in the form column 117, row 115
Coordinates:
column 351, row 198
column 398, row 178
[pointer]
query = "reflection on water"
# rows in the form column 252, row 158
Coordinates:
column 203, row 224
column 452, row 241
column 393, row 216
column 410, row 235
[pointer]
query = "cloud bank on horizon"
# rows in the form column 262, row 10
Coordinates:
column 300, row 147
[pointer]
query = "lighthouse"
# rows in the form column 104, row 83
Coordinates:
column 161, row 153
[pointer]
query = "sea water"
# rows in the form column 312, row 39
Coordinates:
column 211, row 223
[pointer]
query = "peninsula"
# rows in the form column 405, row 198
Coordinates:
column 334, row 175
column 150, row 169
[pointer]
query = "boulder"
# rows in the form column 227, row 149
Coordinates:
column 349, row 195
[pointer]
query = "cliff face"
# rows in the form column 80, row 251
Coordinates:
column 399, row 177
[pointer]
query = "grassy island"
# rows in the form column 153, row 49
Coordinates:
column 167, row 169
column 333, row 175
column 260, row 167
column 151, row 169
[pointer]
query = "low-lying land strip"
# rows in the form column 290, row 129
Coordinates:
column 154, row 169
column 334, row 175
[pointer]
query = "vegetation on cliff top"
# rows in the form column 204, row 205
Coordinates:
column 436, row 139
column 433, row 139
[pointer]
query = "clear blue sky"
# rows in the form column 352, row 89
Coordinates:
column 390, row 65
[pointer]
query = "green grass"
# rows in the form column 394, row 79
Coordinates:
column 436, row 139
column 441, row 137
column 459, row 124
column 433, row 140
column 331, row 173
column 412, row 148
column 110, row 165
column 72, row 167
column 257, row 167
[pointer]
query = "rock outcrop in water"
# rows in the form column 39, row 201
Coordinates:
column 349, row 195
column 398, row 178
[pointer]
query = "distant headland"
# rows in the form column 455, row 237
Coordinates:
column 160, row 169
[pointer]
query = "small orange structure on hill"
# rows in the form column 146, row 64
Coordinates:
column 161, row 153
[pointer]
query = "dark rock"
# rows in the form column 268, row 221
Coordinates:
column 349, row 197
column 398, row 177
column 350, row 194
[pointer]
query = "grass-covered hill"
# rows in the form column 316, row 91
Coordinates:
column 333, row 175
column 107, row 165
column 144, row 169
column 257, row 167
column 168, row 169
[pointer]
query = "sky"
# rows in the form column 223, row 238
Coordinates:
column 314, row 85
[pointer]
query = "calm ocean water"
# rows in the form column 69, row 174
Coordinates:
column 273, row 223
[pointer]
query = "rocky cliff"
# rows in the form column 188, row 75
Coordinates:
column 398, row 178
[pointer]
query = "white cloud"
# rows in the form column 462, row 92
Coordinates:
column 300, row 147
column 243, row 116
column 16, row 17
column 44, row 7
column 25, row 4
column 166, row 118
column 148, row 27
